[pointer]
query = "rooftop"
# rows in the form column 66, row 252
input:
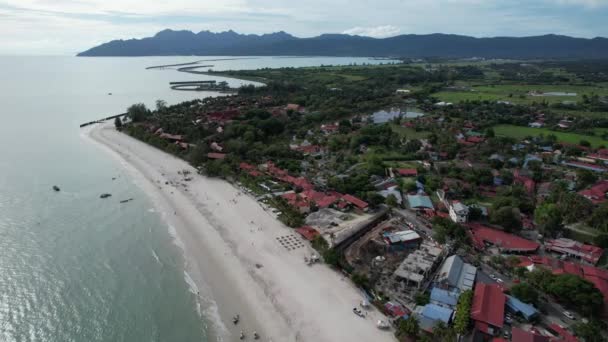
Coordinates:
column 437, row 313
column 521, row 335
column 419, row 201
column 489, row 304
column 508, row 242
column 455, row 273
column 588, row 253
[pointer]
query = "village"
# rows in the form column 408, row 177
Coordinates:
column 452, row 230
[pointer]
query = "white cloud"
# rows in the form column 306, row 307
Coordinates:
column 375, row 32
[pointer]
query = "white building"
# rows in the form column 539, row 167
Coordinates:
column 459, row 212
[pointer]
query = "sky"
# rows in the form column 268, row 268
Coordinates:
column 65, row 27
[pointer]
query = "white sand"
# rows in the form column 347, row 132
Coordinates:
column 284, row 300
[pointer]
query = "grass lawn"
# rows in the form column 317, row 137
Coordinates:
column 518, row 93
column 519, row 132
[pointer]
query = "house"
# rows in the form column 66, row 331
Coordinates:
column 586, row 166
column 403, row 237
column 307, row 232
column 396, row 310
column 482, row 235
column 561, row 333
column 419, row 202
column 437, row 313
column 215, row 155
column 330, row 128
column 516, row 306
column 350, row 200
column 407, row 172
column 293, row 107
column 296, row 201
column 587, row 253
column 455, row 274
column 459, row 212
column 536, row 124
column 393, row 190
column 171, row 137
column 444, row 298
column 488, row 309
column 521, row 335
column 597, row 194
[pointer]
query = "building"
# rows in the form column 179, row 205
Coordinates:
column 587, row 253
column 455, row 274
column 350, row 200
column 521, row 335
column 561, row 333
column 488, row 309
column 307, row 232
column 482, row 235
column 419, row 202
column 597, row 194
column 407, row 172
column 416, row 267
column 459, row 212
column 215, row 155
column 437, row 313
column 444, row 298
column 586, row 166
column 403, row 237
column 516, row 306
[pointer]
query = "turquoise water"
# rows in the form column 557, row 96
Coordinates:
column 74, row 267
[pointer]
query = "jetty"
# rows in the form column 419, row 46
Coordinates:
column 200, row 86
column 102, row 120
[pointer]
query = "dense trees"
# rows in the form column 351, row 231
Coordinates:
column 463, row 312
column 138, row 112
column 408, row 327
column 525, row 292
column 507, row 217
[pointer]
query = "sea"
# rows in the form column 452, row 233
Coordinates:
column 74, row 266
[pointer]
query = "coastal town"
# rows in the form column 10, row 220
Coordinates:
column 458, row 218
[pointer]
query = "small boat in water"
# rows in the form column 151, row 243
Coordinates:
column 235, row 319
column 56, row 188
column 105, row 195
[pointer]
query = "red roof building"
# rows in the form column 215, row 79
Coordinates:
column 296, row 201
column 320, row 199
column 213, row 155
column 488, row 309
column 307, row 232
column 407, row 172
column 246, row 167
column 223, row 116
column 355, row 201
column 521, row 335
column 395, row 310
column 481, row 235
column 562, row 334
column 330, row 128
column 597, row 193
column 588, row 253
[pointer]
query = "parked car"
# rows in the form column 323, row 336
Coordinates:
column 569, row 315
column 493, row 277
column 498, row 280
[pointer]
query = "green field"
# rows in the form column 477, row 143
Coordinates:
column 409, row 133
column 518, row 93
column 519, row 132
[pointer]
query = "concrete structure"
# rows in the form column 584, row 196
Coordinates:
column 418, row 265
column 455, row 274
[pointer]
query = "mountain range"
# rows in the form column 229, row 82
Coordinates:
column 230, row 43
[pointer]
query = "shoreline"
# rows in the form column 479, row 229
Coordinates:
column 230, row 250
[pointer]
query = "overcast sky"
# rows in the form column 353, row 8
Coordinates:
column 65, row 27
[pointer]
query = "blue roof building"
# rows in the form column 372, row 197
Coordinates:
column 444, row 298
column 419, row 202
column 437, row 313
column 518, row 307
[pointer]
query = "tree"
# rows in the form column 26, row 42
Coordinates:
column 599, row 218
column 590, row 332
column 118, row 123
column 463, row 312
column 525, row 292
column 138, row 112
column 490, row 133
column 161, row 105
column 444, row 333
column 577, row 292
column 549, row 218
column 585, row 178
column 422, row 298
column 391, row 201
column 408, row 327
column 508, row 217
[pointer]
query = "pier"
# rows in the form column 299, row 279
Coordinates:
column 102, row 120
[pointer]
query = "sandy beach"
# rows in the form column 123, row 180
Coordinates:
column 233, row 255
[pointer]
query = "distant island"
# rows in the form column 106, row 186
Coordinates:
column 230, row 43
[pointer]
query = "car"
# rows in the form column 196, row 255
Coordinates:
column 506, row 334
column 498, row 280
column 569, row 315
column 493, row 277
